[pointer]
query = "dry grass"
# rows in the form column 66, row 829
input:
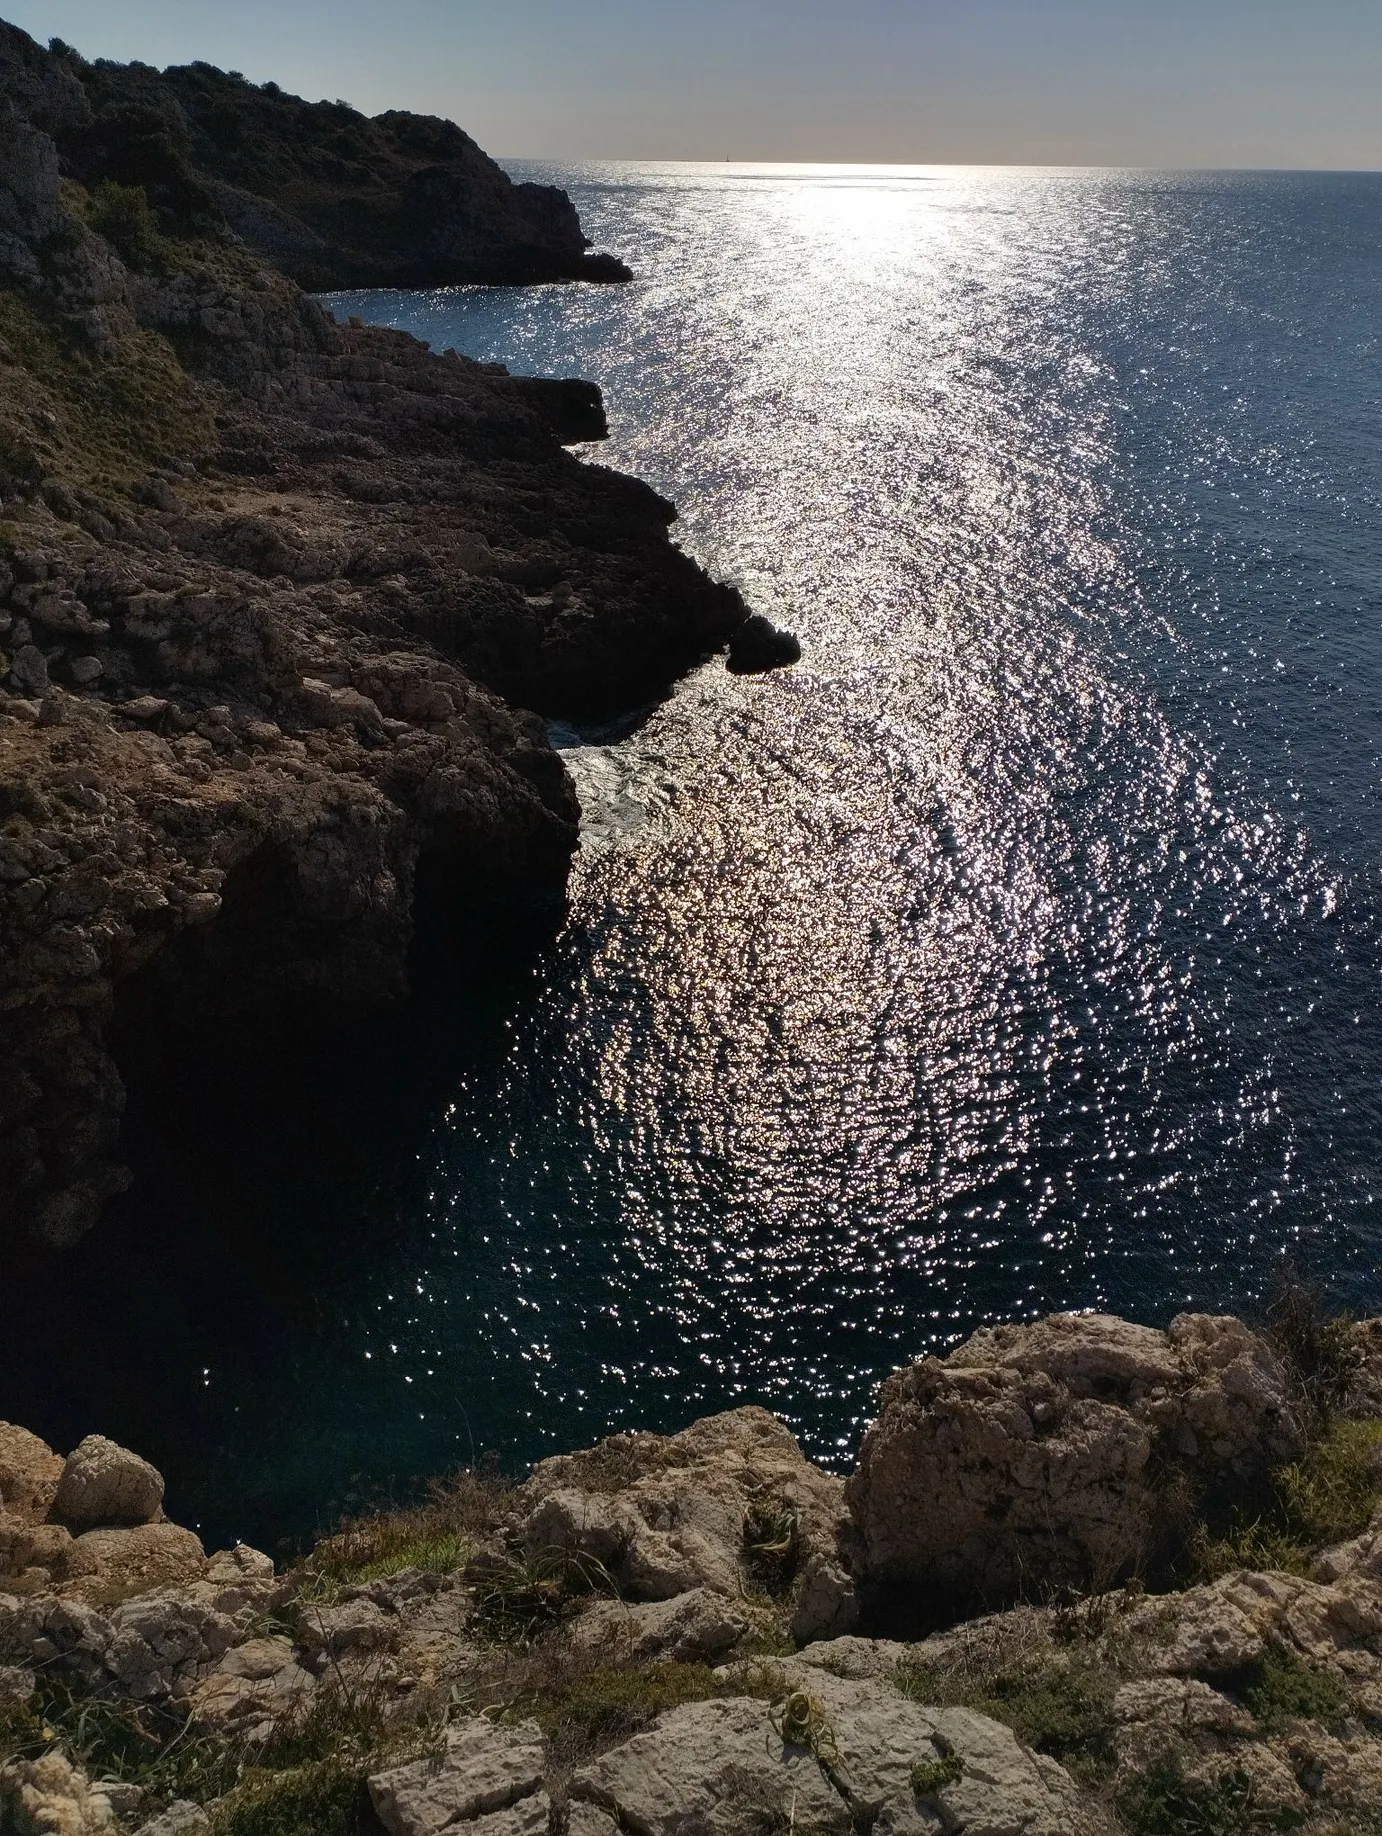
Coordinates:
column 459, row 1517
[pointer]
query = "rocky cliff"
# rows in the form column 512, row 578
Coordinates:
column 280, row 604
column 329, row 196
column 667, row 1634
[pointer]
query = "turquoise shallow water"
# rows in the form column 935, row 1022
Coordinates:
column 1018, row 950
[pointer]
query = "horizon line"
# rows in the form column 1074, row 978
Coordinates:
column 936, row 165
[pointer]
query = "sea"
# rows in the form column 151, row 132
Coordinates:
column 1020, row 949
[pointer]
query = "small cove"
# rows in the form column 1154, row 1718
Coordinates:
column 1019, row 950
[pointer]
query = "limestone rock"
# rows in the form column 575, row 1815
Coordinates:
column 586, row 1523
column 105, row 1484
column 26, row 1546
column 1020, row 1462
column 759, row 645
column 29, row 1474
column 1181, row 1715
column 102, row 1563
column 826, row 1603
column 699, row 1625
column 182, row 1818
column 16, row 1686
column 241, row 1577
column 52, row 1797
column 877, row 1736
column 856, row 1658
column 484, row 1769
column 160, row 1643
column 585, row 1819
column 250, row 1689
column 529, row 1817
column 1361, row 1556
column 356, row 1625
column 1229, row 1624
column 714, row 1767
column 667, row 1514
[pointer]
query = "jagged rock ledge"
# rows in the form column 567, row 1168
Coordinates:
column 281, row 603
column 1175, row 1539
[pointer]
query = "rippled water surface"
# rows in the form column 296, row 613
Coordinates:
column 1018, row 950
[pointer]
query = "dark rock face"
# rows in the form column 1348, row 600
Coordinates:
column 329, row 196
column 275, row 598
column 758, row 645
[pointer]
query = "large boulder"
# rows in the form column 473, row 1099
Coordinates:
column 1025, row 1460
column 29, row 1474
column 113, row 1564
column 104, row 1484
column 731, row 1505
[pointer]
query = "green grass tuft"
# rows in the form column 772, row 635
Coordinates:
column 1326, row 1497
column 325, row 1799
column 1164, row 1802
column 1283, row 1690
column 927, row 1777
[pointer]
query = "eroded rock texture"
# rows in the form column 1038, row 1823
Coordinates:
column 1024, row 1462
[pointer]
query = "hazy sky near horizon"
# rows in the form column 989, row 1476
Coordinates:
column 1080, row 82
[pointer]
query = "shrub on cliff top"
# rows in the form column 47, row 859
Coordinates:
column 1319, row 1350
column 325, row 1799
column 124, row 216
column 1283, row 1690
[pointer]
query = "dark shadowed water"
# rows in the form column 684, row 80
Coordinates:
column 1019, row 950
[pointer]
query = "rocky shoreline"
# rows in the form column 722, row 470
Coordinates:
column 281, row 603
column 1152, row 1562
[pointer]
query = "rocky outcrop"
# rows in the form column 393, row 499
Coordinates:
column 728, row 1507
column 103, row 1484
column 327, row 195
column 281, row 602
column 1059, row 1454
column 1249, row 1701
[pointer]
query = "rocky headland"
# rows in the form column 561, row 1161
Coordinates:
column 281, row 601
column 331, row 197
column 1087, row 1576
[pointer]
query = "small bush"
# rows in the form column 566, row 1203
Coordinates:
column 586, row 1714
column 1332, row 1493
column 1320, row 1351
column 1283, row 1690
column 1257, row 1545
column 1326, row 1497
column 325, row 1799
column 439, row 1536
column 1164, row 1802
column 125, row 217
column 521, row 1595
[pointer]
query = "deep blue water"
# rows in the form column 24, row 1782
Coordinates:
column 1018, row 950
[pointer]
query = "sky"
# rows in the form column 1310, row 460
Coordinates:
column 1275, row 83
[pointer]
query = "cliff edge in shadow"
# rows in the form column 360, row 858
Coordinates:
column 331, row 197
column 275, row 595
